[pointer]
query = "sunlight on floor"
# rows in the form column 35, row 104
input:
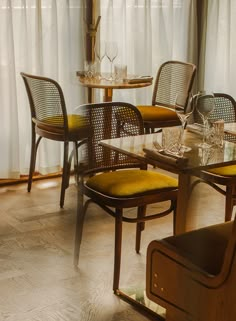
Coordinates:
column 47, row 184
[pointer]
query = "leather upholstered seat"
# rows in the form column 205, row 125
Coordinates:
column 193, row 275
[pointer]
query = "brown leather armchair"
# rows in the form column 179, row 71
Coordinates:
column 193, row 275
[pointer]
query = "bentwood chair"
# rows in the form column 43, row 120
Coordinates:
column 49, row 119
column 115, row 181
column 193, row 275
column 173, row 77
column 222, row 179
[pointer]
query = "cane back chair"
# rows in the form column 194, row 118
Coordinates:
column 173, row 77
column 225, row 108
column 116, row 181
column 193, row 275
column 49, row 119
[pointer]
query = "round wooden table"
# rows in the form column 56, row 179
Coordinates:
column 108, row 86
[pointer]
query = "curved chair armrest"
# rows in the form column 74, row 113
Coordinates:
column 192, row 252
column 191, row 270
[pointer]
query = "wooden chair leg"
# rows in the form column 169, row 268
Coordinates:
column 117, row 252
column 229, row 202
column 139, row 227
column 147, row 130
column 32, row 159
column 81, row 210
column 174, row 205
column 78, row 167
column 34, row 148
column 65, row 174
column 76, row 161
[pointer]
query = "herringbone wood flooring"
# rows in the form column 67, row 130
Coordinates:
column 37, row 278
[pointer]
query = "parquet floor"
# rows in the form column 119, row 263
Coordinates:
column 37, row 278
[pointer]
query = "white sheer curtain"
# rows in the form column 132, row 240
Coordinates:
column 43, row 37
column 47, row 37
column 220, row 47
column 148, row 32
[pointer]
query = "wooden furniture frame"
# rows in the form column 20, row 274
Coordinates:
column 49, row 119
column 225, row 108
column 108, row 86
column 133, row 147
column 105, row 121
column 173, row 77
column 196, row 163
column 193, row 275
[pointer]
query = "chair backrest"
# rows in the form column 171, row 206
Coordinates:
column 179, row 279
column 47, row 103
column 225, row 108
column 173, row 77
column 106, row 121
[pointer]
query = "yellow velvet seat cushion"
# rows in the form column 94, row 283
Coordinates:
column 224, row 171
column 152, row 113
column 75, row 122
column 56, row 123
column 125, row 183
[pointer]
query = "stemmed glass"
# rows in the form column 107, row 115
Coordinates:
column 111, row 53
column 184, row 107
column 205, row 104
column 100, row 52
column 89, row 68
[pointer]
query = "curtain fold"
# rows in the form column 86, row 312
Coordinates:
column 219, row 51
column 44, row 37
column 48, row 37
column 148, row 32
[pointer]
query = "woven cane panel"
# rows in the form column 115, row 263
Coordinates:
column 224, row 109
column 105, row 123
column 46, row 101
column 174, row 78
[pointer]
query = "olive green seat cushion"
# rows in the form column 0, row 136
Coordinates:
column 158, row 113
column 125, row 183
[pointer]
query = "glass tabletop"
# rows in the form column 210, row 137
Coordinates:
column 198, row 158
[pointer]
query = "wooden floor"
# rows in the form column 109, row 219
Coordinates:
column 37, row 278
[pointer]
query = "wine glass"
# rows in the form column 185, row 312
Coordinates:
column 111, row 53
column 89, row 68
column 205, row 104
column 184, row 107
column 100, row 52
